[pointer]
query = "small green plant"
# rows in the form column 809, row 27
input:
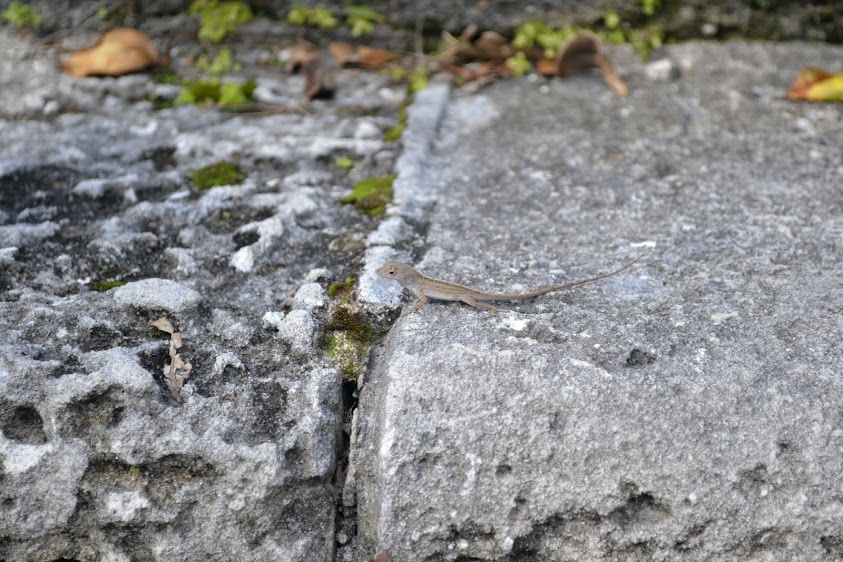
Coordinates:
column 219, row 18
column 103, row 286
column 649, row 7
column 21, row 15
column 613, row 32
column 319, row 17
column 394, row 133
column 221, row 173
column 371, row 195
column 222, row 62
column 361, row 20
column 418, row 79
column 518, row 64
column 215, row 91
column 644, row 40
column 344, row 162
column 539, row 35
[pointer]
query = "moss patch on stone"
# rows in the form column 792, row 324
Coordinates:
column 221, row 173
column 218, row 19
column 347, row 334
column 215, row 91
column 371, row 195
column 102, row 286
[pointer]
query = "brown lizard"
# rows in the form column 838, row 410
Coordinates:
column 425, row 287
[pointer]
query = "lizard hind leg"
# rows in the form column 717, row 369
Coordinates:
column 479, row 304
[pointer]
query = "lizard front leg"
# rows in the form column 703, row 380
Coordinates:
column 422, row 301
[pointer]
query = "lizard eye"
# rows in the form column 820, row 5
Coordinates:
column 392, row 272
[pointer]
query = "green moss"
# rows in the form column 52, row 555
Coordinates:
column 418, row 79
column 134, row 470
column 371, row 195
column 347, row 335
column 222, row 62
column 221, row 173
column 344, row 162
column 349, row 322
column 649, row 7
column 233, row 93
column 361, row 20
column 314, row 17
column 342, row 289
column 218, row 19
column 21, row 15
column 538, row 34
column 346, row 354
column 215, row 91
column 395, row 133
column 102, row 286
column 518, row 64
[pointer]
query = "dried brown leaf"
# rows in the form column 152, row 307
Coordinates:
column 119, row 51
column 491, row 45
column 373, row 59
column 611, row 76
column 178, row 370
column 579, row 54
column 547, row 67
column 163, row 324
column 342, row 51
column 585, row 51
column 302, row 54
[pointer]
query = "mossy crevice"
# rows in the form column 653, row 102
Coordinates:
column 347, row 335
column 102, row 286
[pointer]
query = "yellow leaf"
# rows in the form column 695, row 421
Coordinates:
column 816, row 84
column 830, row 89
column 119, row 51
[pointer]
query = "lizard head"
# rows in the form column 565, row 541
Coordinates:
column 394, row 270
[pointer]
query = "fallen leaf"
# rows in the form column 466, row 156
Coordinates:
column 585, row 51
column 345, row 54
column 163, row 324
column 302, row 54
column 342, row 51
column 491, row 45
column 373, row 59
column 178, row 370
column 816, row 84
column 119, row 51
column 382, row 556
column 488, row 46
column 547, row 67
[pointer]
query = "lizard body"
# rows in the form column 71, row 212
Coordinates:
column 425, row 287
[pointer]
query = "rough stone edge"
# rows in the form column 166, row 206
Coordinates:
column 415, row 191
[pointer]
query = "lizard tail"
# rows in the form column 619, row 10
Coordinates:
column 554, row 288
